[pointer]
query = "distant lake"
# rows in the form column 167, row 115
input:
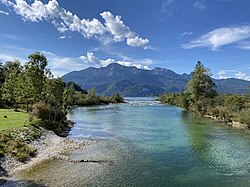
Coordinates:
column 151, row 145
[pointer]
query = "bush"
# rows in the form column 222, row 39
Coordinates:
column 41, row 111
column 225, row 114
column 48, row 117
column 244, row 117
column 215, row 112
column 235, row 103
column 116, row 98
column 11, row 145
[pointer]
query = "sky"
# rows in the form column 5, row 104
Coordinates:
column 172, row 34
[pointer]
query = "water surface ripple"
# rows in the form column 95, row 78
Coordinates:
column 151, row 145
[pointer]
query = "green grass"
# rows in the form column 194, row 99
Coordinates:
column 13, row 120
column 15, row 133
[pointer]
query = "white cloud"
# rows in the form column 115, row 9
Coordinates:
column 59, row 65
column 244, row 45
column 83, row 58
column 3, row 12
column 165, row 5
column 35, row 12
column 143, row 64
column 121, row 32
column 186, row 33
column 166, row 10
column 62, row 37
column 65, row 20
column 200, row 5
column 137, row 42
column 241, row 75
column 8, row 57
column 220, row 37
column 225, row 74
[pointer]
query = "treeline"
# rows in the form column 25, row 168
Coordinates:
column 33, row 88
column 202, row 99
column 80, row 97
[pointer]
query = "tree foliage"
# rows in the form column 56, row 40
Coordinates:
column 201, row 85
column 12, row 70
column 201, row 98
column 33, row 87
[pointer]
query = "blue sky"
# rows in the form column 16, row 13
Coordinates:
column 173, row 34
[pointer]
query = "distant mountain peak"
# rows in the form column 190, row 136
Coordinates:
column 131, row 81
column 114, row 65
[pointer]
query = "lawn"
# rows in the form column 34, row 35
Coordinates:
column 13, row 120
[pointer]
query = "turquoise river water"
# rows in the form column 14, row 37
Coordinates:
column 149, row 144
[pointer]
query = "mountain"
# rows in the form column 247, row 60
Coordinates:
column 131, row 81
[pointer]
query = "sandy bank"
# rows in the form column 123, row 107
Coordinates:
column 49, row 145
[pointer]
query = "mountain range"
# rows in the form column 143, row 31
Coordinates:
column 131, row 81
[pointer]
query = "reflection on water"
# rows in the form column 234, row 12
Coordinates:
column 151, row 145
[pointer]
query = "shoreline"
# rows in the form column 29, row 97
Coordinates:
column 48, row 146
column 234, row 124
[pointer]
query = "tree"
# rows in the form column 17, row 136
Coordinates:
column 1, row 73
column 55, row 90
column 77, row 87
column 201, row 88
column 201, row 85
column 1, row 82
column 36, row 74
column 69, row 95
column 92, row 98
column 12, row 70
column 23, row 91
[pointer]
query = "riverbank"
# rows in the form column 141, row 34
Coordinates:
column 231, row 109
column 48, row 146
column 234, row 124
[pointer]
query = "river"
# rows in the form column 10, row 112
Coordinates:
column 150, row 144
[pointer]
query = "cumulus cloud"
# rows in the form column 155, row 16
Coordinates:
column 137, row 42
column 102, row 63
column 225, row 74
column 242, row 75
column 220, row 37
column 65, row 20
column 121, row 32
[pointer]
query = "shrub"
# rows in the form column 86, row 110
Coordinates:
column 225, row 114
column 244, row 116
column 235, row 103
column 41, row 111
column 11, row 145
column 49, row 117
column 214, row 112
column 116, row 98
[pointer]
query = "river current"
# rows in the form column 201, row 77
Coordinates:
column 149, row 144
